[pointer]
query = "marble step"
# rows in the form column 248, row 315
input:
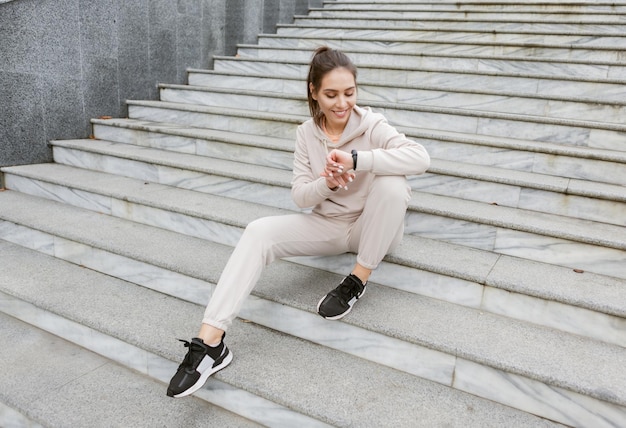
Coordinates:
column 527, row 191
column 221, row 220
column 462, row 47
column 514, row 25
column 588, row 39
column 572, row 133
column 616, row 25
column 403, row 98
column 547, row 85
column 191, row 411
column 586, row 7
column 604, row 95
column 579, row 164
column 514, row 378
column 526, row 234
column 504, row 186
column 573, row 162
column 463, row 12
column 232, row 119
column 254, row 348
column 49, row 379
column 595, row 247
column 234, row 146
column 150, row 349
column 468, row 62
column 462, row 22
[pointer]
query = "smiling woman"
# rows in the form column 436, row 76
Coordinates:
column 335, row 97
column 330, row 73
column 341, row 144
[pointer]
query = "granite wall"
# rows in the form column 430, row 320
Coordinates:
column 63, row 62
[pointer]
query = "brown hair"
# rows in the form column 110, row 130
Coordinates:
column 324, row 60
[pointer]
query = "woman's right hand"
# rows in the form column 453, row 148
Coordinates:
column 337, row 162
column 333, row 181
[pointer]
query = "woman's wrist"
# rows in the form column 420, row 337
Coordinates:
column 331, row 184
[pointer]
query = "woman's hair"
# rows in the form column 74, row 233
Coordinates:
column 324, row 60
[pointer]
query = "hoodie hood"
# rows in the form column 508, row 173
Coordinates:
column 358, row 123
column 382, row 150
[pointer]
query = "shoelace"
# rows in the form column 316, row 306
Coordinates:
column 347, row 292
column 189, row 360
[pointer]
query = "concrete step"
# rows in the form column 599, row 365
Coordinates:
column 222, row 220
column 423, row 363
column 586, row 7
column 588, row 39
column 49, row 380
column 462, row 47
column 504, row 186
column 517, row 232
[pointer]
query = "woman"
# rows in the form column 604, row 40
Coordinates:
column 350, row 165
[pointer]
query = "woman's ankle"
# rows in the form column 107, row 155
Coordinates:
column 210, row 335
column 362, row 273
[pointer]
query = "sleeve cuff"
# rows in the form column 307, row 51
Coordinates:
column 365, row 161
column 322, row 188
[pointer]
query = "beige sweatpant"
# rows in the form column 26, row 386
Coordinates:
column 371, row 236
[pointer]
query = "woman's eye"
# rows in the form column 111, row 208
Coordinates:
column 329, row 96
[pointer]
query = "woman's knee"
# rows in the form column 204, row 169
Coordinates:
column 392, row 189
column 260, row 229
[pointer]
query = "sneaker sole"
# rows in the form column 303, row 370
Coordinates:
column 336, row 317
column 205, row 376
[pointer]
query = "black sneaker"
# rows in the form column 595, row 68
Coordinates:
column 339, row 302
column 200, row 362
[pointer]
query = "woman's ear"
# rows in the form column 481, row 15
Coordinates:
column 312, row 90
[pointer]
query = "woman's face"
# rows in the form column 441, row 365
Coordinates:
column 336, row 97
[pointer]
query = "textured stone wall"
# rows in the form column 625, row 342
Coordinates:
column 63, row 62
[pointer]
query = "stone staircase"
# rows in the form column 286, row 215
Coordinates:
column 505, row 305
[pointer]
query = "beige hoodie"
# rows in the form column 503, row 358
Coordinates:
column 382, row 150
